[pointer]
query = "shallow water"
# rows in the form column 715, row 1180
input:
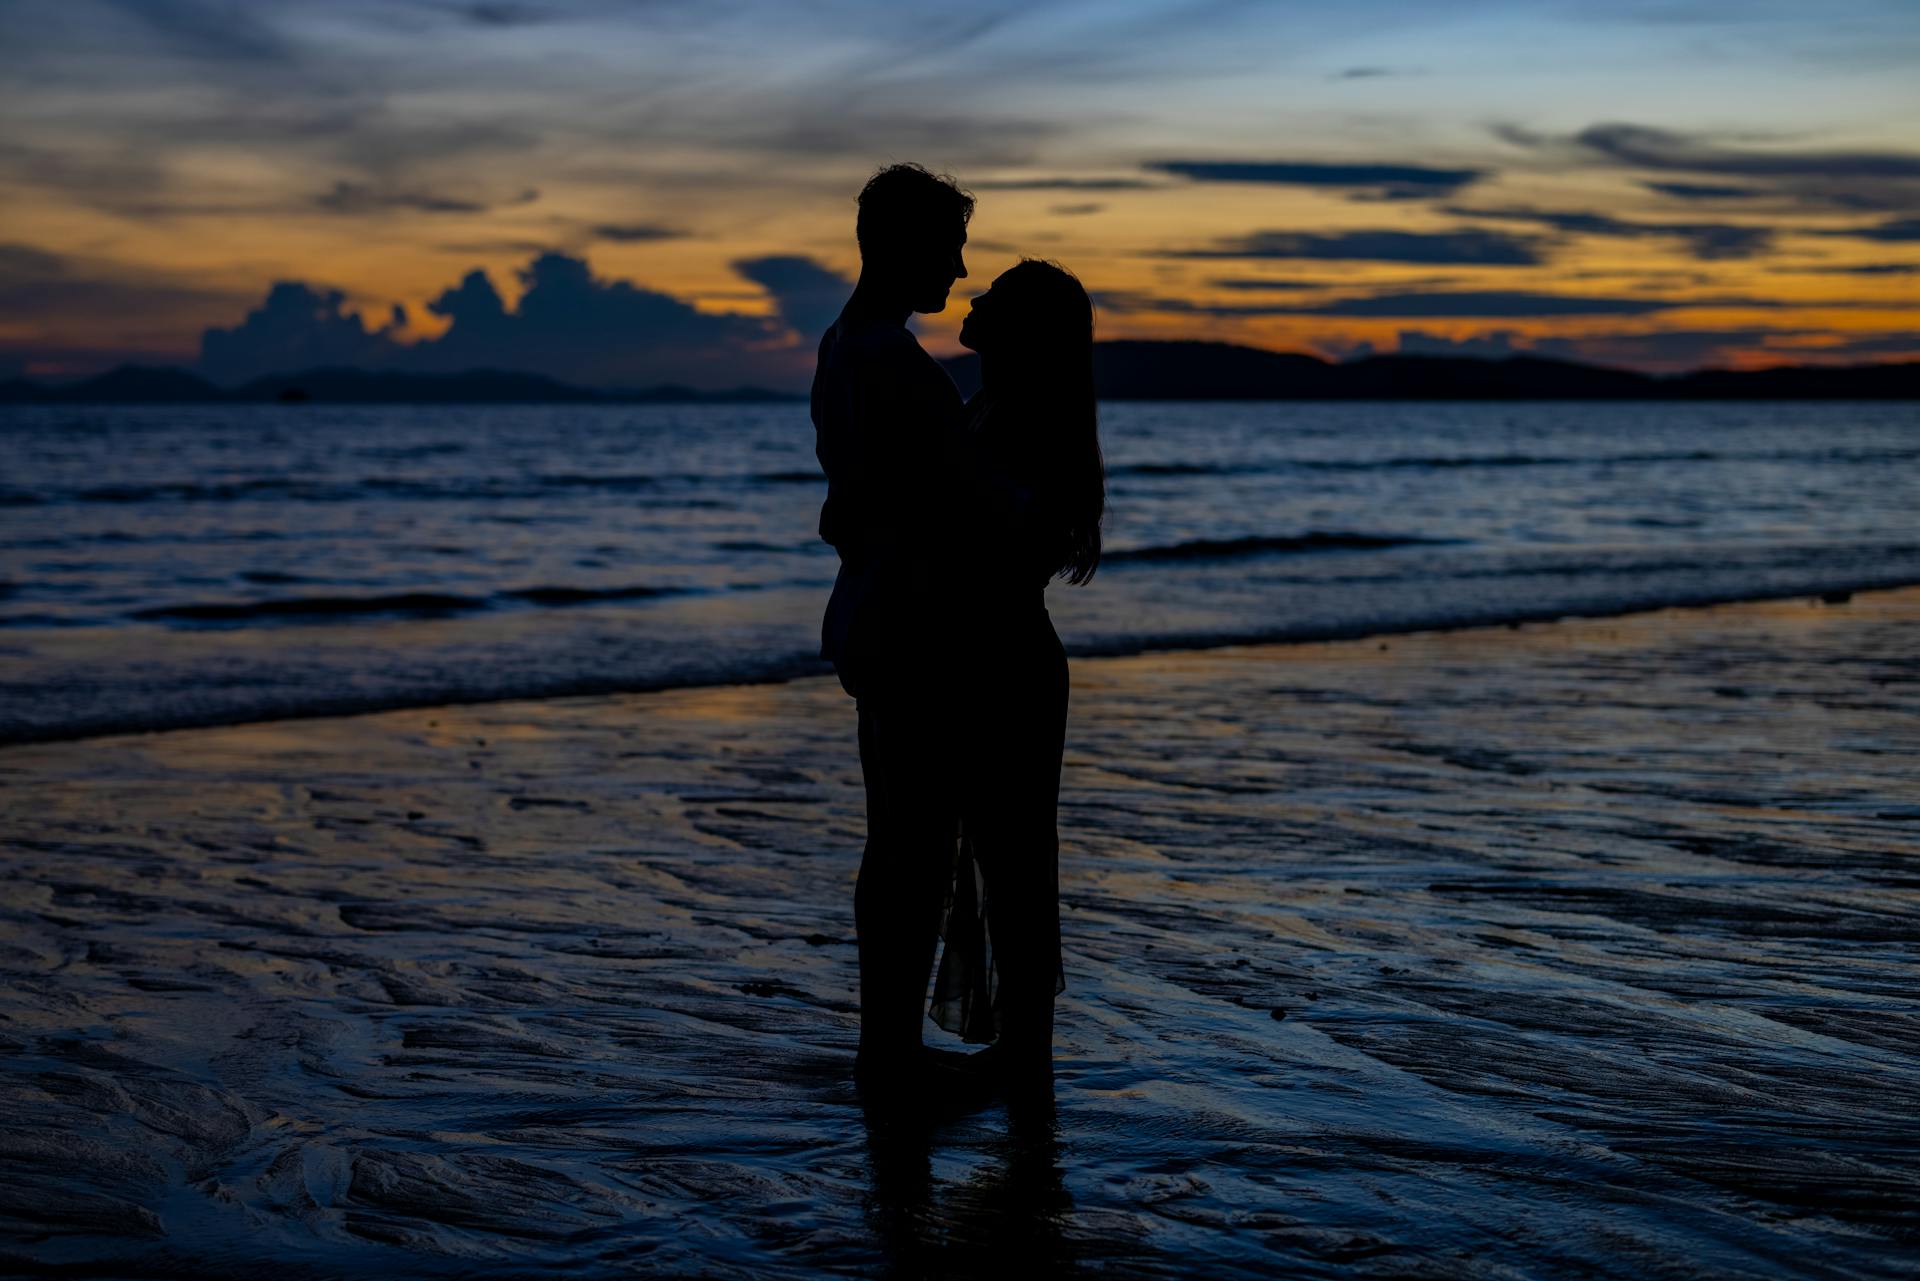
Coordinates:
column 1581, row 950
column 187, row 565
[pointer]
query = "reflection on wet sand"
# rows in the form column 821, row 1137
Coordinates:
column 1576, row 949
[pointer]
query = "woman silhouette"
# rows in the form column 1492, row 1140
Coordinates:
column 1037, row 493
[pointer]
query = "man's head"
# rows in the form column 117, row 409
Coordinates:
column 911, row 228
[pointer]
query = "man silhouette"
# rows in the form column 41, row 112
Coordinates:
column 887, row 420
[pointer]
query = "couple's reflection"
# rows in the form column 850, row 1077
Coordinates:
column 1003, row 1218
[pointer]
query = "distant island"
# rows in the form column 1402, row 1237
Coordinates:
column 1123, row 370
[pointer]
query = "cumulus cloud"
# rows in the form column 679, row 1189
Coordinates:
column 1372, row 181
column 567, row 324
column 296, row 327
column 807, row 295
column 1469, row 247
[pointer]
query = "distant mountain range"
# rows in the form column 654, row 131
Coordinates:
column 145, row 384
column 1126, row 370
column 1222, row 371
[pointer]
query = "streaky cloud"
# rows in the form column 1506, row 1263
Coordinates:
column 1650, row 148
column 1702, row 190
column 1895, row 231
column 1064, row 184
column 1388, row 181
column 1462, row 247
column 365, row 198
column 1705, row 240
column 637, row 232
column 1436, row 304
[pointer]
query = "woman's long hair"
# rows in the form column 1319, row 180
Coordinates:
column 1044, row 377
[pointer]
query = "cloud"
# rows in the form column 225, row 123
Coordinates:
column 1707, row 241
column 1471, row 247
column 807, row 295
column 1257, row 284
column 636, row 232
column 1063, row 184
column 1074, row 211
column 1815, row 178
column 1436, row 304
column 1896, row 344
column 1649, row 148
column 1375, row 181
column 296, row 327
column 1702, row 190
column 499, row 15
column 1488, row 302
column 1361, row 73
column 217, row 30
column 1866, row 269
column 366, row 198
column 568, row 324
column 74, row 302
column 1895, row 231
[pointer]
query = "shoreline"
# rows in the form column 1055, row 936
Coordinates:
column 795, row 668
column 1541, row 951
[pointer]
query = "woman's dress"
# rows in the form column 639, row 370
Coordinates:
column 1001, row 965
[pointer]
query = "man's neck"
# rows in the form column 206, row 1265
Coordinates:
column 872, row 304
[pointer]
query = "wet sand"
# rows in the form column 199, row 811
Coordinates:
column 1583, row 949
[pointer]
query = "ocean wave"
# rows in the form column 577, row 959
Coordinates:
column 1231, row 548
column 413, row 604
column 584, row 595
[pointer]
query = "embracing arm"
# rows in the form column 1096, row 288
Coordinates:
column 891, row 486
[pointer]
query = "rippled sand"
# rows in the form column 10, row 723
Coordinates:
column 1578, row 950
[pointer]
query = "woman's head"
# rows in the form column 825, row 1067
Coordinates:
column 1033, row 329
column 1033, row 313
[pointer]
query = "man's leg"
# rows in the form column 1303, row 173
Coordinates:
column 909, row 853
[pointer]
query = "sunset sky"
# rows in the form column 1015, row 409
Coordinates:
column 664, row 190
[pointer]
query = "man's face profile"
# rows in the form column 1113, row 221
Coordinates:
column 934, row 270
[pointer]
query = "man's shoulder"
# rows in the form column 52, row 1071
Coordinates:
column 878, row 343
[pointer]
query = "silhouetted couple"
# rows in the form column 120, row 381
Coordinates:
column 950, row 519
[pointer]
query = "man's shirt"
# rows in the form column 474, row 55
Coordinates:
column 886, row 419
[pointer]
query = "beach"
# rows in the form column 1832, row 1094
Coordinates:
column 1564, row 949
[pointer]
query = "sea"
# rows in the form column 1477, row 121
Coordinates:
column 163, row 566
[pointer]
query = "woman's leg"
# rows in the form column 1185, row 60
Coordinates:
column 1014, row 799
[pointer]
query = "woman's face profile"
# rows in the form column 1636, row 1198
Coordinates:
column 979, row 326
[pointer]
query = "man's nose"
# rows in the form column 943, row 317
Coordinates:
column 959, row 267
